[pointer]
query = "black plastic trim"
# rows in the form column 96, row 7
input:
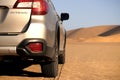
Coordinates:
column 23, row 51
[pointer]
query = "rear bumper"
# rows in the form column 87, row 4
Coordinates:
column 10, row 50
column 48, row 53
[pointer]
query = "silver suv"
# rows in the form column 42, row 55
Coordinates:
column 31, row 32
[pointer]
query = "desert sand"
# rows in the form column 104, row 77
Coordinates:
column 91, row 54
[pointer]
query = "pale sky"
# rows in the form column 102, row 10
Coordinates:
column 88, row 13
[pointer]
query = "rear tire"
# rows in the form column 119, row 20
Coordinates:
column 50, row 69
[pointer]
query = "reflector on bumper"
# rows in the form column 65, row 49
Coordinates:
column 35, row 47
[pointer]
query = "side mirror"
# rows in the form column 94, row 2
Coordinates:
column 64, row 16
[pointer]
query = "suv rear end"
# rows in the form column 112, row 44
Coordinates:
column 31, row 31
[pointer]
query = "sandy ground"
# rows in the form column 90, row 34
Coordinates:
column 92, row 61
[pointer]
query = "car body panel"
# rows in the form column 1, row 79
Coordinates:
column 17, row 25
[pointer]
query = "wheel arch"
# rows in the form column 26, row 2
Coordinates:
column 60, row 36
column 57, row 32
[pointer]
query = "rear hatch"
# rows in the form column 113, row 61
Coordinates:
column 14, row 16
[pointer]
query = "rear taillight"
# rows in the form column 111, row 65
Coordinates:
column 39, row 7
column 35, row 47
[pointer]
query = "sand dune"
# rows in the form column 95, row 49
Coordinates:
column 113, row 31
column 113, row 38
column 110, row 33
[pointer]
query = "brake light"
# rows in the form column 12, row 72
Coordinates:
column 39, row 7
column 35, row 47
